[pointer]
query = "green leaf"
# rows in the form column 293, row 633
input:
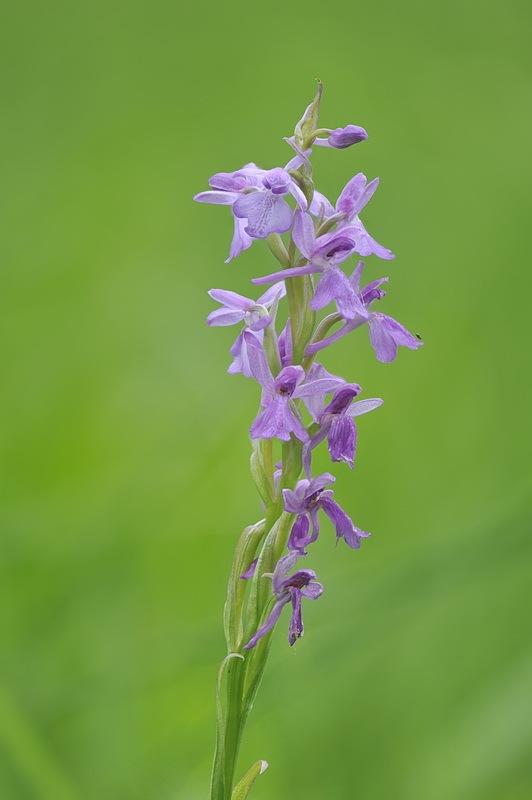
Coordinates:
column 260, row 476
column 217, row 778
column 241, row 790
column 244, row 555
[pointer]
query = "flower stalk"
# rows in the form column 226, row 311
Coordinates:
column 301, row 405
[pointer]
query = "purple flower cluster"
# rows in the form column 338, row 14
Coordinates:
column 301, row 403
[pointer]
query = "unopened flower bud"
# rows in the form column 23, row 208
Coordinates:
column 341, row 138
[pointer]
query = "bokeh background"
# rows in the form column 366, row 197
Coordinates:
column 124, row 441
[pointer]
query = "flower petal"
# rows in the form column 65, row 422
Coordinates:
column 351, row 194
column 265, row 213
column 298, row 195
column 293, row 503
column 240, row 241
column 285, row 345
column 320, row 205
column 319, row 483
column 355, row 195
column 217, row 198
column 398, row 331
column 272, row 294
column 313, row 590
column 224, row 316
column 245, row 343
column 386, row 334
column 229, row 181
column 353, row 537
column 299, row 537
column 279, row 421
column 341, row 521
column 363, row 406
column 383, row 344
column 334, row 285
column 259, row 367
column 296, row 628
column 298, row 428
column 319, row 387
column 249, row 573
column 303, row 234
column 356, row 275
column 325, row 290
column 365, row 244
column 231, row 299
column 282, row 569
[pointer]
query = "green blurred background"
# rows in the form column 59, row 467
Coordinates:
column 124, row 441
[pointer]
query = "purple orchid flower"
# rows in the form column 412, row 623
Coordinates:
column 337, row 424
column 254, row 315
column 289, row 589
column 386, row 334
column 340, row 138
column 257, row 200
column 353, row 198
column 279, row 417
column 323, row 254
column 265, row 209
column 226, row 188
column 305, row 500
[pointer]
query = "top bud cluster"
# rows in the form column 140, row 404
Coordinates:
column 301, row 402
